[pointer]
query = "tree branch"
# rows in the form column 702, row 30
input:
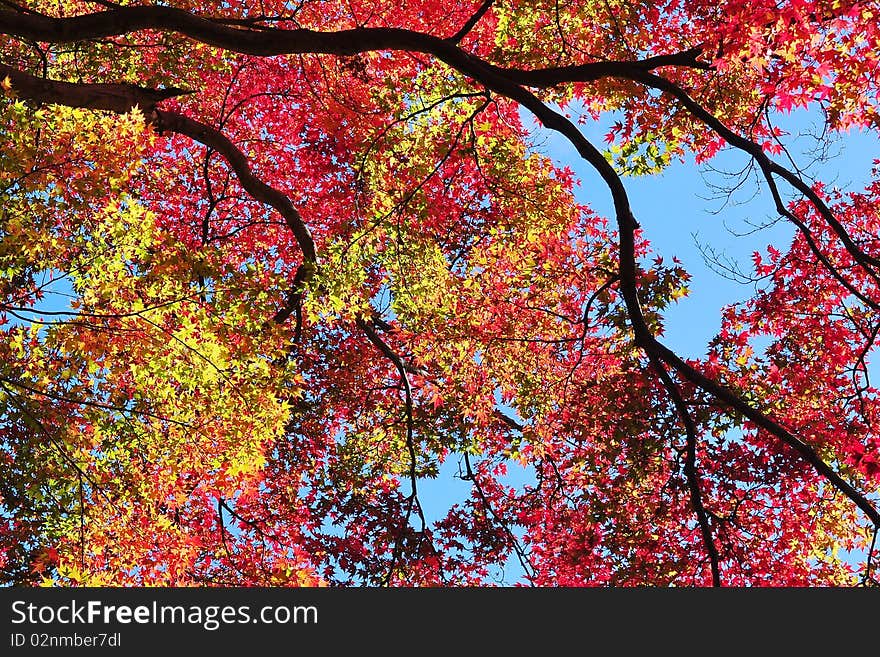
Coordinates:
column 118, row 98
column 690, row 469
column 592, row 71
column 471, row 22
column 259, row 190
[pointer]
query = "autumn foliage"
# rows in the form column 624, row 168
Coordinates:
column 267, row 268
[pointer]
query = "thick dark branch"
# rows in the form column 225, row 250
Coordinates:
column 122, row 98
column 271, row 41
column 212, row 31
column 277, row 42
column 213, row 138
column 814, row 247
column 294, row 300
column 119, row 98
column 260, row 191
column 377, row 321
column 548, row 77
column 734, row 401
column 629, row 278
column 509, row 421
column 868, row 561
column 472, row 21
column 387, row 351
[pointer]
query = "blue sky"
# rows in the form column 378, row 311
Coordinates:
column 682, row 208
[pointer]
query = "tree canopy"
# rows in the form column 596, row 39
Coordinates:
column 267, row 267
